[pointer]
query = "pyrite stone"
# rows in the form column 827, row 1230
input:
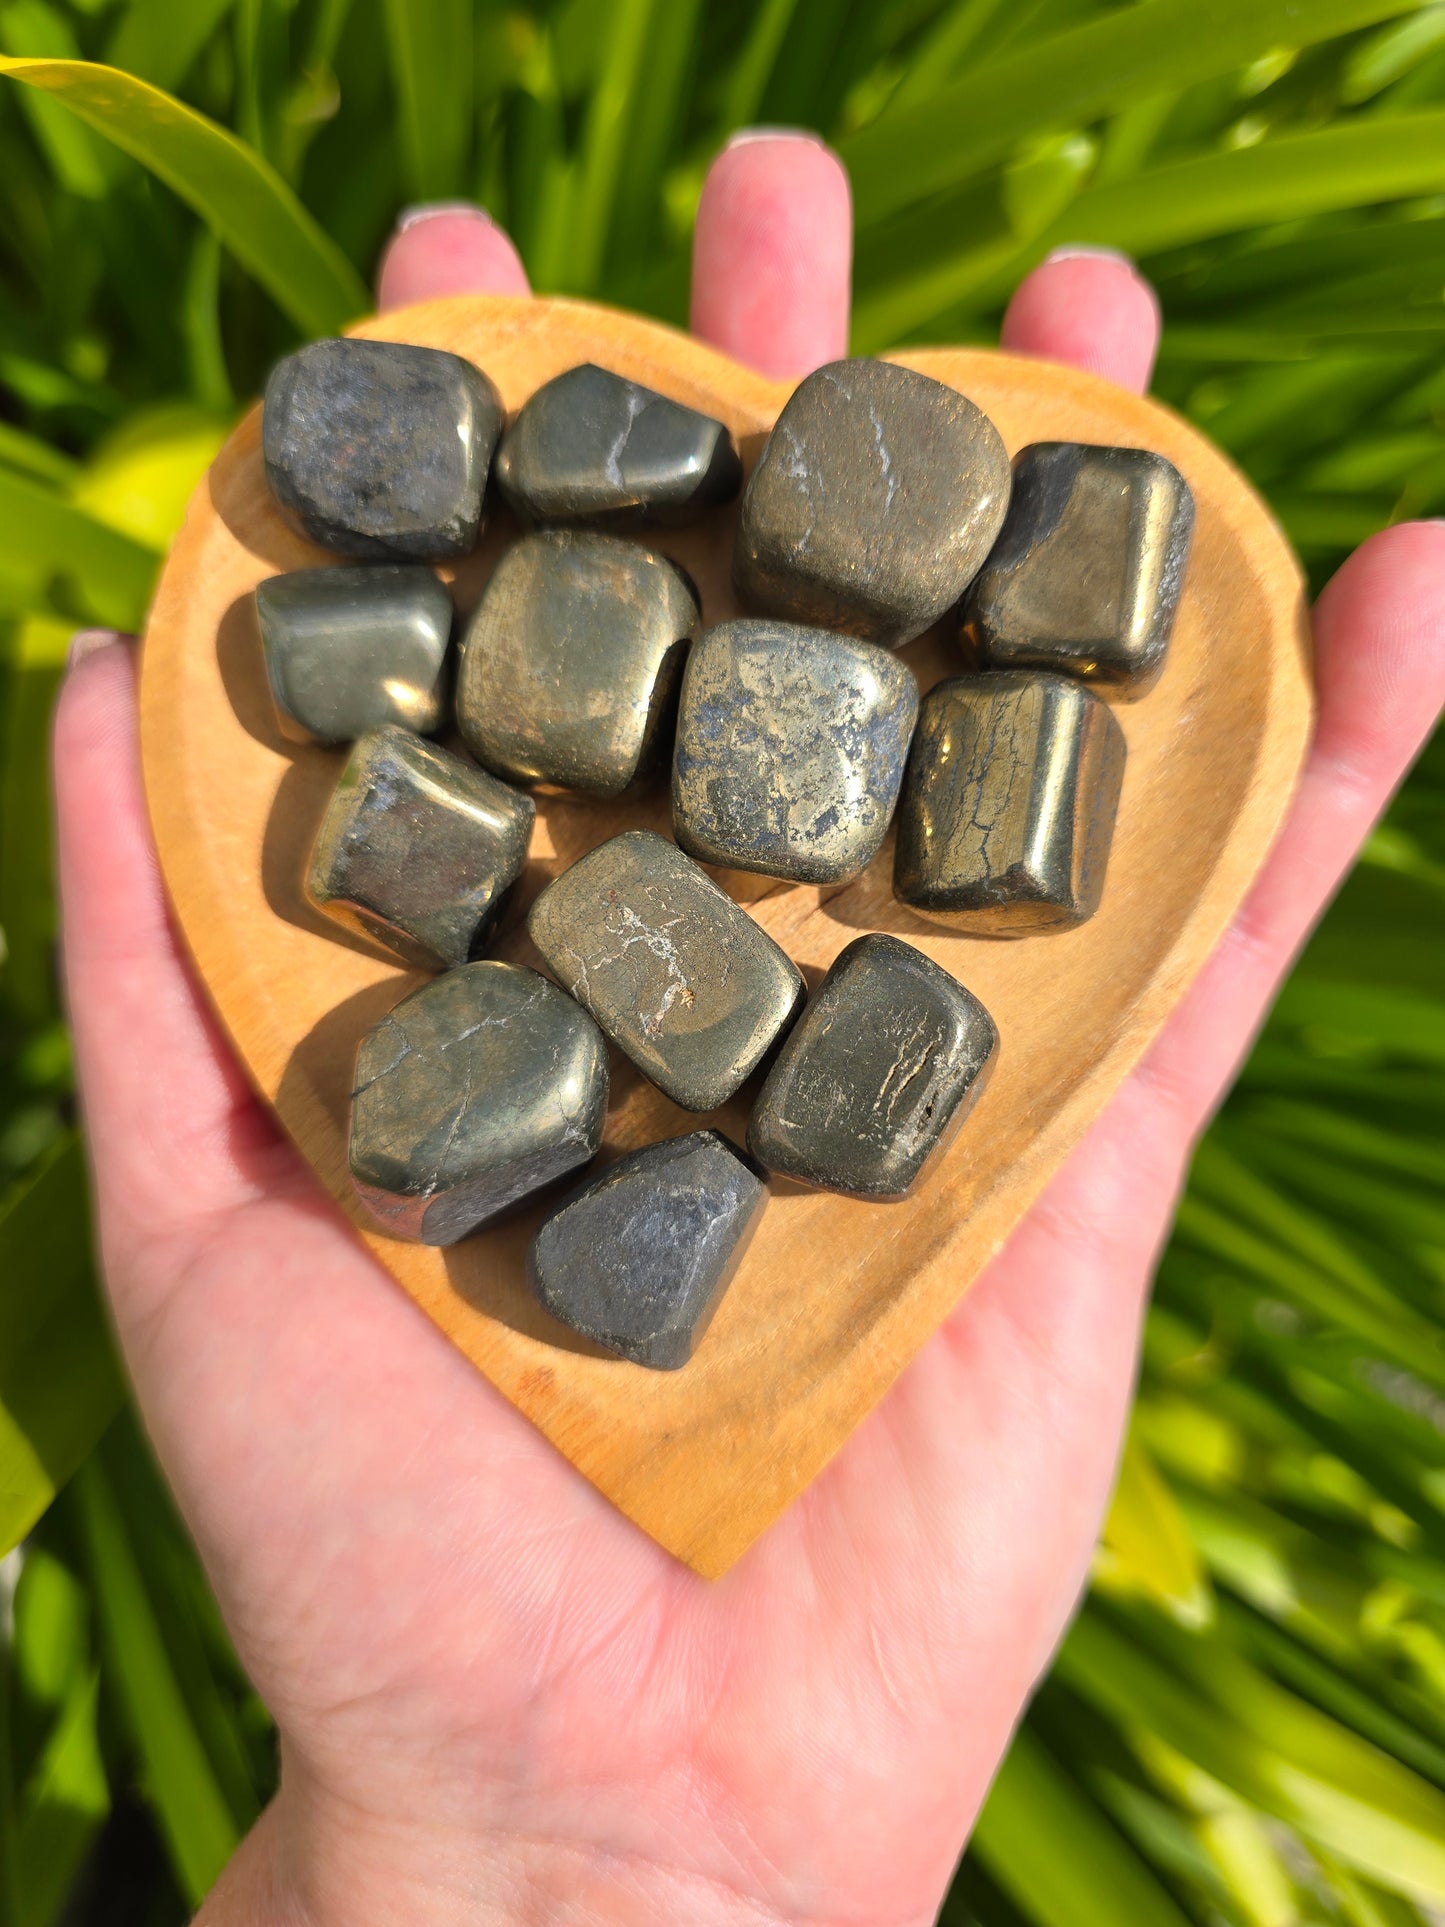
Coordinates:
column 1087, row 573
column 570, row 665
column 676, row 974
column 1009, row 803
column 377, row 449
column 638, row 1258
column 592, row 446
column 791, row 745
column 350, row 648
column 877, row 1075
column 482, row 1086
column 418, row 848
column 875, row 501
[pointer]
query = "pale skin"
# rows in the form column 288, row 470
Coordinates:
column 498, row 1701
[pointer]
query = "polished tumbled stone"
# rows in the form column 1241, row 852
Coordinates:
column 418, row 848
column 878, row 1073
column 377, row 449
column 593, row 446
column 791, row 745
column 350, row 648
column 476, row 1090
column 874, row 503
column 1086, row 576
column 638, row 1258
column 677, row 975
column 1009, row 803
column 570, row 665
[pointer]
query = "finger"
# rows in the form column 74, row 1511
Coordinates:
column 174, row 1131
column 450, row 248
column 1380, row 672
column 1091, row 308
column 772, row 253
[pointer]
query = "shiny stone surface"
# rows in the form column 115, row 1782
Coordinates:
column 1086, row 577
column 791, row 745
column 875, row 501
column 377, row 449
column 476, row 1090
column 570, row 665
column 350, row 648
column 418, row 848
column 639, row 1257
column 593, row 446
column 1009, row 804
column 677, row 975
column 878, row 1074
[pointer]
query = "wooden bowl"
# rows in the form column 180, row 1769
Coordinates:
column 835, row 1296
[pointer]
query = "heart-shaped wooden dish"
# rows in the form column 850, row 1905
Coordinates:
column 835, row 1296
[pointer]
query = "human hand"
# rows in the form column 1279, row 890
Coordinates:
column 497, row 1699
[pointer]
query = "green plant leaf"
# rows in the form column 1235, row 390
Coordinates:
column 233, row 189
column 110, row 574
column 158, row 40
column 1051, row 1849
column 924, row 146
column 60, row 1809
column 1145, row 1545
column 431, row 55
column 59, row 1382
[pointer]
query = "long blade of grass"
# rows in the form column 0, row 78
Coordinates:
column 159, row 39
column 112, row 574
column 604, row 136
column 59, row 1382
column 200, row 1831
column 431, row 53
column 922, row 147
column 239, row 195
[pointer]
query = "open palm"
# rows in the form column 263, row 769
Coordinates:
column 498, row 1700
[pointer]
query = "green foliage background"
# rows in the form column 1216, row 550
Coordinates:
column 1247, row 1724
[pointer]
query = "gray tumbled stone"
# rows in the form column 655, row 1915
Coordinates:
column 418, row 848
column 791, row 746
column 377, row 449
column 676, row 974
column 1086, row 577
column 476, row 1090
column 876, row 1076
column 350, row 648
column 638, row 1258
column 592, row 446
column 874, row 503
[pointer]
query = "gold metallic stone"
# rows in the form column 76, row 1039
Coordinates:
column 875, row 501
column 876, row 1076
column 591, row 446
column 676, row 974
column 1009, row 803
column 1086, row 576
column 570, row 665
column 475, row 1091
column 418, row 848
column 350, row 648
column 791, row 744
column 380, row 449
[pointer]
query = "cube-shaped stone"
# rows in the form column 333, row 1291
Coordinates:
column 875, row 501
column 380, row 449
column 591, row 446
column 475, row 1091
column 676, row 974
column 1086, row 576
column 791, row 746
column 1009, row 804
column 877, row 1074
column 350, row 648
column 570, row 665
column 418, row 848
column 638, row 1258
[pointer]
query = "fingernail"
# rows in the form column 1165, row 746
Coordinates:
column 90, row 642
column 429, row 210
column 1085, row 251
column 746, row 134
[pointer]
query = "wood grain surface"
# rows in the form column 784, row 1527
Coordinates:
column 835, row 1296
